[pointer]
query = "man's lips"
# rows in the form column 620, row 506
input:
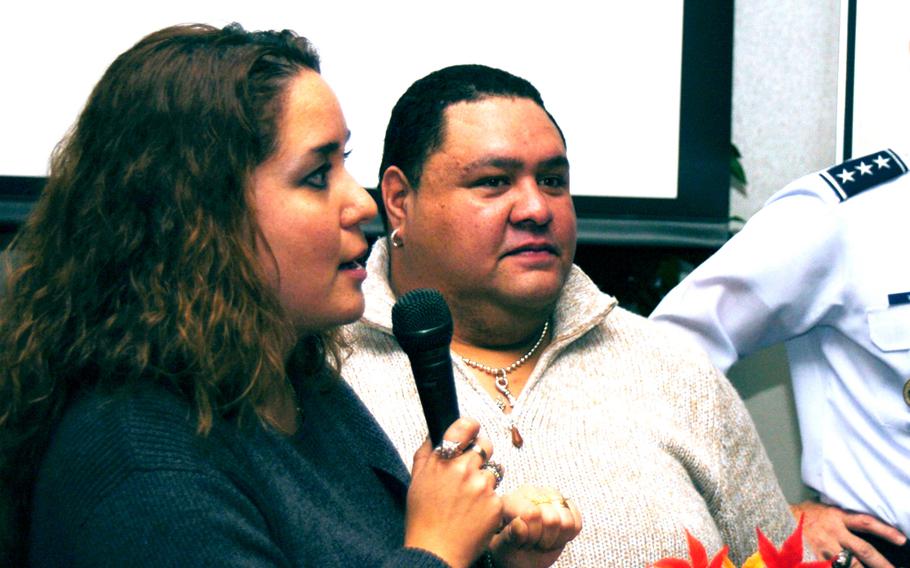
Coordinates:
column 533, row 248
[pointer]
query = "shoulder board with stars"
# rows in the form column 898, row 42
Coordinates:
column 859, row 174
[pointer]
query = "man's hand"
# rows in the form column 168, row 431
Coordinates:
column 828, row 529
column 539, row 524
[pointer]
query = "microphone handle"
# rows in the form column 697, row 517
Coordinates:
column 436, row 388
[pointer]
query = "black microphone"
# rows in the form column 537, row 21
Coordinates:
column 422, row 324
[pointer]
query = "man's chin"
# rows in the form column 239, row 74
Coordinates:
column 535, row 295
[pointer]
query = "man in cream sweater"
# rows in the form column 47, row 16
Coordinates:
column 630, row 422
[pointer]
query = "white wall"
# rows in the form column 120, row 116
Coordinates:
column 784, row 92
column 785, row 63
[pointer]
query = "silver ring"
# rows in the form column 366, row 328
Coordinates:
column 496, row 469
column 482, row 452
column 843, row 559
column 448, row 450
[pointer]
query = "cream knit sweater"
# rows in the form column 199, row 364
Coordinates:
column 633, row 424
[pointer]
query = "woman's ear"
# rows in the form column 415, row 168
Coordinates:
column 396, row 190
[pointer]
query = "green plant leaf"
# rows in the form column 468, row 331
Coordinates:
column 737, row 174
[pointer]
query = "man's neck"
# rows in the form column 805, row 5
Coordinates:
column 488, row 326
column 482, row 320
column 510, row 364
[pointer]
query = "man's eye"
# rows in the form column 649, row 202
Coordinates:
column 494, row 181
column 552, row 181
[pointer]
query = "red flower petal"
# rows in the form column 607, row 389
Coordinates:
column 768, row 552
column 671, row 563
column 718, row 560
column 791, row 552
column 697, row 552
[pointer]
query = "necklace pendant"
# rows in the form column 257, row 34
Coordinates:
column 517, row 440
column 502, row 385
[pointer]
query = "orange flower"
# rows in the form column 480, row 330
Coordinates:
column 699, row 557
column 790, row 554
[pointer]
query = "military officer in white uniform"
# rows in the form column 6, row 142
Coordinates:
column 825, row 268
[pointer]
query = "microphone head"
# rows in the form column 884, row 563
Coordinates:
column 421, row 320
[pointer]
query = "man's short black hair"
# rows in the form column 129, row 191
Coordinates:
column 415, row 128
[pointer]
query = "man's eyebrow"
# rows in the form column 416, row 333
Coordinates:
column 556, row 162
column 514, row 164
column 493, row 162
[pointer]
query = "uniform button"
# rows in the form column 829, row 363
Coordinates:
column 907, row 393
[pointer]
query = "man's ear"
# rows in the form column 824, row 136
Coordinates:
column 396, row 189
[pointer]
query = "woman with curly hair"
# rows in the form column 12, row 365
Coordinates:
column 168, row 382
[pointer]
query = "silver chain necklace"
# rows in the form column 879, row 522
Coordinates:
column 501, row 374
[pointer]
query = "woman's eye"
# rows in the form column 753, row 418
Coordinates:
column 319, row 178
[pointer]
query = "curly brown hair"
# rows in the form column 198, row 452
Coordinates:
column 138, row 263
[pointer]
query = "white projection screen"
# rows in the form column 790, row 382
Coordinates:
column 874, row 87
column 641, row 89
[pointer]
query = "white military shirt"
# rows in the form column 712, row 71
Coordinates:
column 825, row 267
